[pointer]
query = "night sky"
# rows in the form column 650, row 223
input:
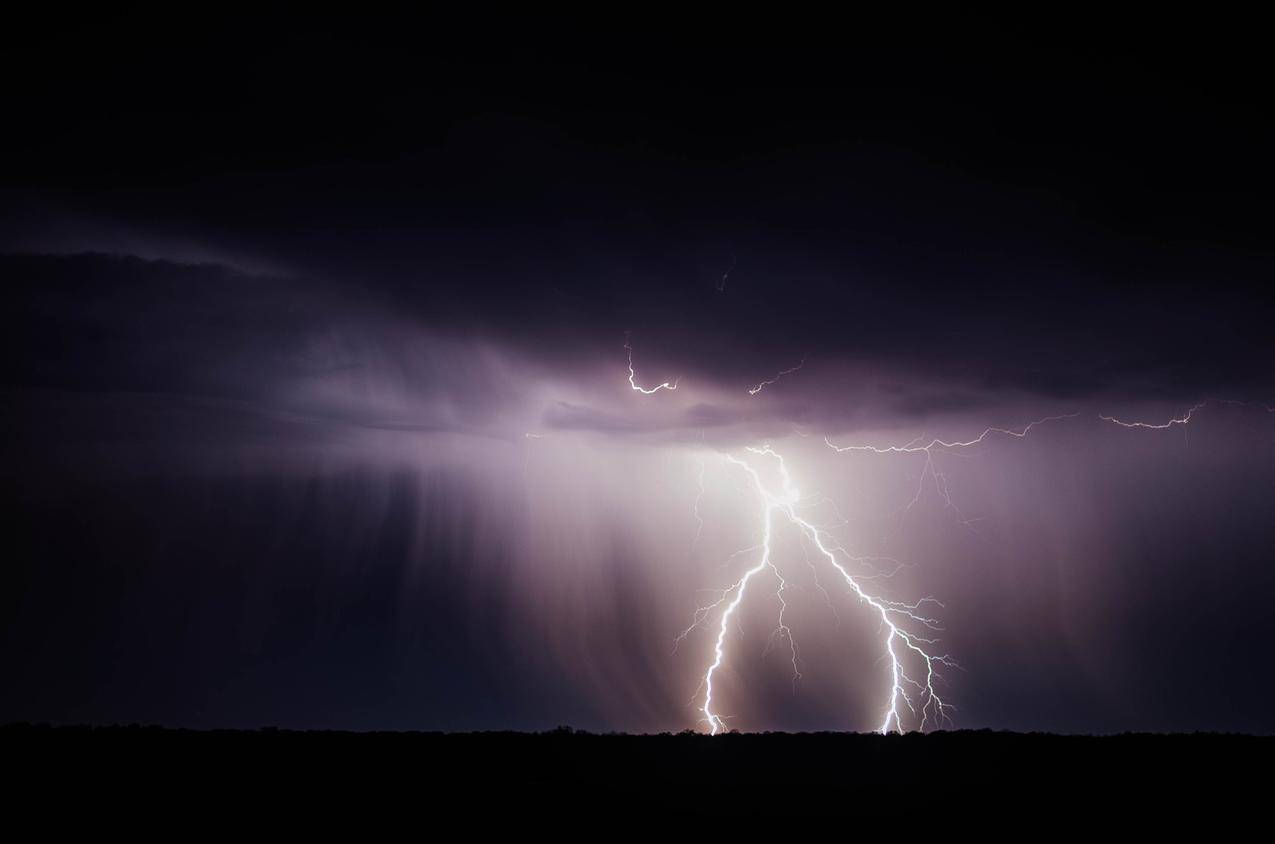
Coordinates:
column 317, row 410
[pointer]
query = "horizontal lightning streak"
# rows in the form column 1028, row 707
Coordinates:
column 1183, row 420
column 752, row 391
column 914, row 448
column 930, row 470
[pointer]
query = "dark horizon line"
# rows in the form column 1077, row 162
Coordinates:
column 566, row 730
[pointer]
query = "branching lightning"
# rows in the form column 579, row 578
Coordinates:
column 930, row 470
column 911, row 701
column 628, row 347
column 1185, row 418
column 909, row 646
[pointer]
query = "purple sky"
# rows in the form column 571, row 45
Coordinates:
column 318, row 408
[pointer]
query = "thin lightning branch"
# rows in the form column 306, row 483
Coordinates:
column 783, row 631
column 752, row 391
column 915, row 447
column 628, row 346
column 702, row 614
column 699, row 520
column 814, row 573
column 1185, row 419
column 913, row 701
column 930, row 471
column 903, row 623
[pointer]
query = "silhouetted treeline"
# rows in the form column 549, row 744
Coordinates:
column 755, row 773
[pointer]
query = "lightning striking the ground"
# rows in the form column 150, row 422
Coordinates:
column 752, row 391
column 909, row 644
column 646, row 391
column 912, row 700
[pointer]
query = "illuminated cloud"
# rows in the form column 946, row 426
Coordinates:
column 529, row 508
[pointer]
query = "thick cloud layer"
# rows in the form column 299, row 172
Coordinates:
column 318, row 405
column 275, row 504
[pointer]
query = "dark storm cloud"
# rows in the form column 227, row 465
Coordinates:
column 1045, row 229
column 319, row 418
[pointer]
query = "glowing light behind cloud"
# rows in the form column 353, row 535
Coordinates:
column 562, row 567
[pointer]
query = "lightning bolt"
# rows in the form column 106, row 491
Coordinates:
column 628, row 347
column 930, row 470
column 906, row 629
column 908, row 643
column 1185, row 419
column 752, row 391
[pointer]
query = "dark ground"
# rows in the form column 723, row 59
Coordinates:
column 919, row 781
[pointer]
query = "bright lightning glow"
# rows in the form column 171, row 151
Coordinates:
column 628, row 346
column 901, row 623
column 912, row 700
column 752, row 391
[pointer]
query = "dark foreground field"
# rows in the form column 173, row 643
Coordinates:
column 563, row 771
